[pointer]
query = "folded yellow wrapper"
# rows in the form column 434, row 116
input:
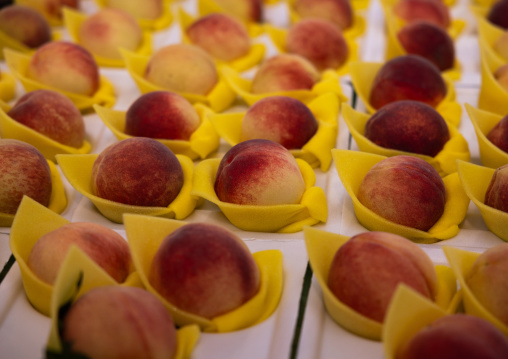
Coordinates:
column 321, row 248
column 7, row 41
column 461, row 262
column 78, row 171
column 363, row 74
column 243, row 63
column 475, row 181
column 443, row 162
column 480, row 8
column 18, row 64
column 73, row 21
column 316, row 152
column 202, row 142
column 352, row 166
column 145, row 235
column 7, row 86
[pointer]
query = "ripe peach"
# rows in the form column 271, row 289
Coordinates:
column 137, row 171
column 182, row 68
column 367, row 269
column 319, row 41
column 496, row 195
column 23, row 172
column 409, row 126
column 281, row 119
column 497, row 14
column 408, row 77
column 51, row 114
column 246, row 10
column 338, row 12
column 65, row 66
column 204, row 269
column 433, row 11
column 25, row 25
column 405, row 190
column 499, row 134
column 148, row 9
column 103, row 245
column 50, row 8
column 119, row 322
column 259, row 172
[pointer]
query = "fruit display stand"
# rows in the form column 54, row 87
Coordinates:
column 300, row 327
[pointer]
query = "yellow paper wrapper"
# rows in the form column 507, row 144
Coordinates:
column 78, row 171
column 321, row 248
column 286, row 218
column 7, row 86
column 475, row 180
column 73, row 21
column 12, row 43
column 10, row 128
column 145, row 235
column 218, row 99
column 490, row 34
column 461, row 262
column 352, row 166
column 363, row 74
column 202, row 142
column 57, row 201
column 42, row 8
column 483, row 122
column 18, row 64
column 316, row 152
column 443, row 162
column 243, row 63
column 481, row 6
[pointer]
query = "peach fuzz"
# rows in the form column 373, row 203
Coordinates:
column 25, row 25
column 339, row 12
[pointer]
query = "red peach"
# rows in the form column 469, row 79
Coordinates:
column 499, row 134
column 434, row 11
column 497, row 14
column 50, row 8
column 496, row 195
column 25, row 25
column 339, row 12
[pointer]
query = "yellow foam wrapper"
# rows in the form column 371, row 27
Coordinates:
column 490, row 34
column 363, row 74
column 483, row 122
column 475, row 180
column 201, row 143
column 78, row 171
column 316, row 152
column 73, row 21
column 481, row 7
column 7, row 86
column 285, row 218
column 57, row 201
column 145, row 235
column 44, row 10
column 218, row 99
column 461, row 262
column 279, row 35
column 352, row 166
column 444, row 162
column 321, row 248
column 243, row 63
column 18, row 64
column 10, row 128
column 12, row 43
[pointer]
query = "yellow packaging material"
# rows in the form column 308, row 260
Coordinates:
column 461, row 262
column 490, row 34
column 7, row 86
column 218, row 99
column 74, row 19
column 388, row 4
column 285, row 218
column 316, row 152
column 18, row 64
column 7, row 41
column 202, row 142
column 352, row 166
column 145, row 235
column 321, row 248
column 78, row 171
column 444, row 162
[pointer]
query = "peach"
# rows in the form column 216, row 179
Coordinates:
column 25, row 25
column 409, row 126
column 408, row 77
column 259, row 172
column 65, row 66
column 433, row 11
column 281, row 119
column 148, row 9
column 429, row 41
column 499, row 134
column 204, row 269
column 220, row 35
column 338, row 12
column 405, row 190
column 103, row 245
column 319, row 41
column 23, row 172
column 497, row 14
column 119, row 322
column 182, row 68
column 161, row 114
column 456, row 336
column 496, row 195
column 367, row 269
column 108, row 30
column 246, row 10
column 284, row 72
column 50, row 8
column 501, row 76
column 51, row 114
